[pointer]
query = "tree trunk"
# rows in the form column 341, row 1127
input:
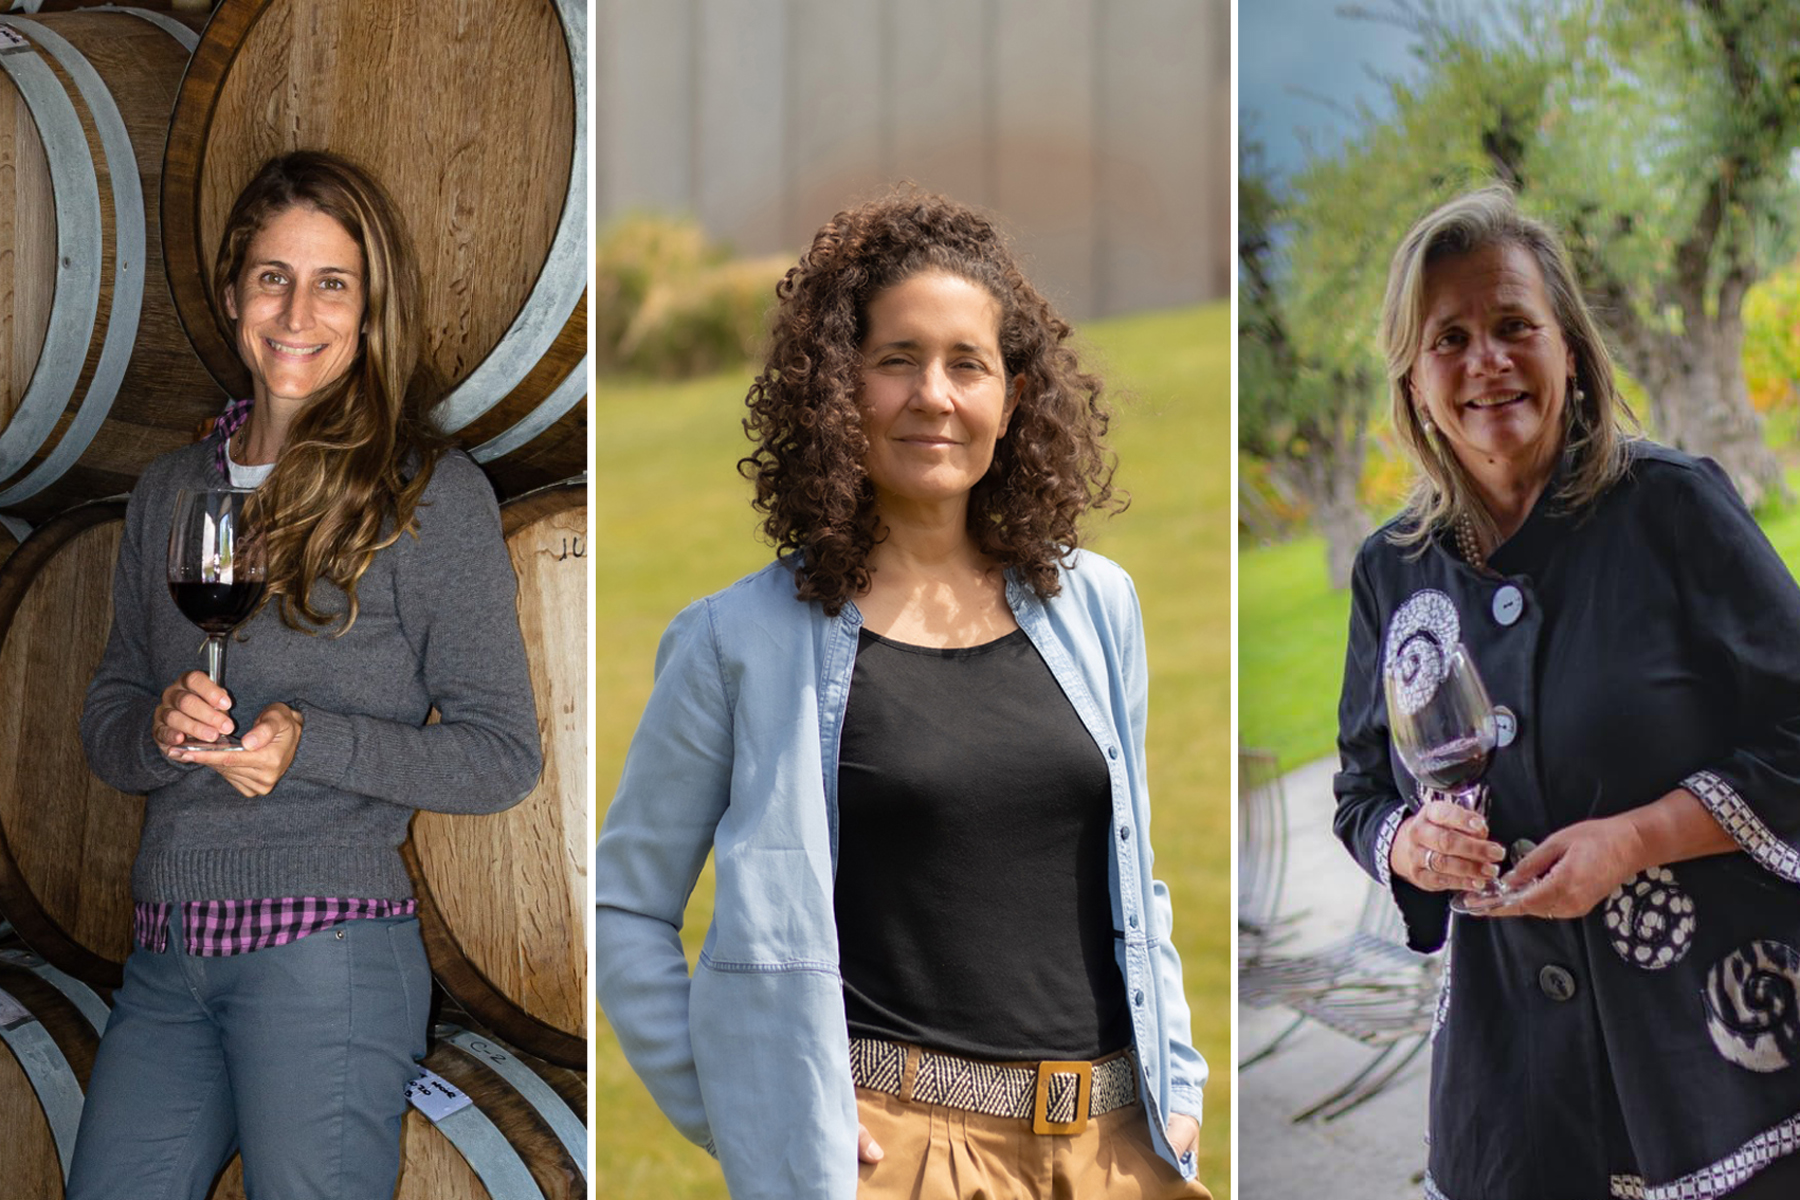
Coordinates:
column 1329, row 479
column 1699, row 401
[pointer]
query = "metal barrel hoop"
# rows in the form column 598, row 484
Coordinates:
column 79, row 250
column 129, row 236
column 559, row 285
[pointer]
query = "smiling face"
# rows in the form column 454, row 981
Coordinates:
column 1493, row 366
column 298, row 304
column 935, row 397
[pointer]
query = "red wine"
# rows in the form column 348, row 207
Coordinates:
column 217, row 608
column 1454, row 763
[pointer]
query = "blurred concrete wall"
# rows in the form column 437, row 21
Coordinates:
column 1098, row 130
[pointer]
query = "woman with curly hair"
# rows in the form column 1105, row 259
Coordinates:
column 276, row 999
column 914, row 745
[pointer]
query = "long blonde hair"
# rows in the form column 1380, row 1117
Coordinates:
column 1597, row 430
column 360, row 453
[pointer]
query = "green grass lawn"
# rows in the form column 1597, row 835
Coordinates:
column 1291, row 631
column 673, row 522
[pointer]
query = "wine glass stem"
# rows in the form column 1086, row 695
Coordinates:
column 215, row 659
column 1472, row 796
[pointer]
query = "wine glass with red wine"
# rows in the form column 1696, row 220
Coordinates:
column 1442, row 723
column 216, row 572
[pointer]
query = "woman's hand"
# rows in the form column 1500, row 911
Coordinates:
column 866, row 1148
column 192, row 710
column 268, row 751
column 1184, row 1133
column 1444, row 848
column 1574, row 869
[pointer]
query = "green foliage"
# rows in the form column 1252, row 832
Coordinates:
column 677, row 524
column 1657, row 137
column 1772, row 346
column 673, row 305
column 1291, row 632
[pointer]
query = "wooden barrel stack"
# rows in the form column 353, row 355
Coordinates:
column 502, row 896
column 505, row 1126
column 96, row 378
column 112, row 352
column 491, row 175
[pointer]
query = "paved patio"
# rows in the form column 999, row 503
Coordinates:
column 1376, row 1151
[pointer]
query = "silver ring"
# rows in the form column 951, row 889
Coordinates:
column 1431, row 860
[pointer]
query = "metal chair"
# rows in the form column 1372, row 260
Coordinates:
column 1262, row 856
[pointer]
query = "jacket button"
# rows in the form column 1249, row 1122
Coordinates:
column 1124, row 833
column 1132, row 920
column 1509, row 604
column 1137, row 998
column 1506, row 725
column 1112, row 752
column 1557, row 983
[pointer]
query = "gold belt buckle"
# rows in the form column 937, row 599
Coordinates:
column 1084, row 1092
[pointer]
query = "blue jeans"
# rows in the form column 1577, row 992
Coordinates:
column 297, row 1055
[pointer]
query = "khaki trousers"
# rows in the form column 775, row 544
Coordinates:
column 937, row 1153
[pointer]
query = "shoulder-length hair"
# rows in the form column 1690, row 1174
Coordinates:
column 1597, row 429
column 1049, row 468
column 360, row 453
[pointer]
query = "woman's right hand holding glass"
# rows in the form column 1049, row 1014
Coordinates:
column 1444, row 848
column 192, row 710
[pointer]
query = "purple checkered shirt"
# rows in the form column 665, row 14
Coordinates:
column 227, row 423
column 216, row 928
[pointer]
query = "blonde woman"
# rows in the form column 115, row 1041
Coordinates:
column 1638, row 1037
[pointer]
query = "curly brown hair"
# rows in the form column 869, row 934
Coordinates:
column 1049, row 468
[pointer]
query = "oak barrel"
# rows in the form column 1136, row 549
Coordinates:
column 27, row 7
column 66, row 839
column 515, row 1136
column 47, row 1044
column 473, row 114
column 96, row 377
column 501, row 896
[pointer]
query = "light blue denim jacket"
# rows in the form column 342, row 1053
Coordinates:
column 737, row 754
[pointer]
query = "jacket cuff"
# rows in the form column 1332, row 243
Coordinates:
column 1384, row 847
column 1736, row 817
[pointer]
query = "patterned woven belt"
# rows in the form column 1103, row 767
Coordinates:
column 1056, row 1097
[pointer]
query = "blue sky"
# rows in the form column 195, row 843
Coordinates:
column 1287, row 47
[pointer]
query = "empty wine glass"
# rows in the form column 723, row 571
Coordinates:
column 216, row 573
column 1442, row 723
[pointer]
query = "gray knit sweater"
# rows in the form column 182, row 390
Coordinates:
column 437, row 626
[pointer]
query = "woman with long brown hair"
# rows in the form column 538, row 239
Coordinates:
column 914, row 746
column 276, row 997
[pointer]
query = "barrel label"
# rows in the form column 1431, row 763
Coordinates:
column 11, row 41
column 436, row 1096
column 12, row 1013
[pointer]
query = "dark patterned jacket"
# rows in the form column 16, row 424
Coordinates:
column 1646, row 642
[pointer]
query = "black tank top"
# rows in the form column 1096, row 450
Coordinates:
column 973, row 911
